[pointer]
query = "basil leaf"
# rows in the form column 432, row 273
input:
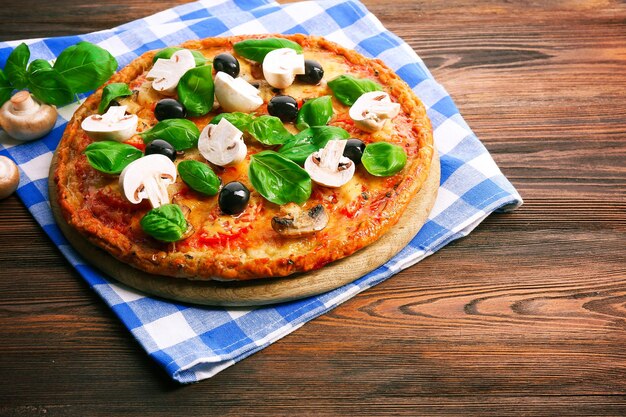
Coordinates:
column 180, row 133
column 38, row 64
column 383, row 159
column 269, row 130
column 50, row 87
column 111, row 92
column 315, row 112
column 348, row 89
column 15, row 67
column 111, row 157
column 256, row 49
column 5, row 88
column 196, row 92
column 310, row 140
column 166, row 223
column 168, row 52
column 240, row 120
column 278, row 179
column 85, row 66
column 200, row 177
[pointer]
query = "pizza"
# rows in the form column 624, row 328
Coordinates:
column 243, row 157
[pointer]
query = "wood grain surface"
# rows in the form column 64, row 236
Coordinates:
column 526, row 316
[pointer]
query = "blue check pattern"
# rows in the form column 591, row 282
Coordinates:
column 193, row 343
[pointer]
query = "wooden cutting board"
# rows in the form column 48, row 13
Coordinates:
column 262, row 291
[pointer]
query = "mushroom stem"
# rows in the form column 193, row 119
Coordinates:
column 23, row 103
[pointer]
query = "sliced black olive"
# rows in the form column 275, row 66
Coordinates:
column 233, row 198
column 168, row 108
column 161, row 147
column 313, row 72
column 226, row 63
column 354, row 150
column 283, row 107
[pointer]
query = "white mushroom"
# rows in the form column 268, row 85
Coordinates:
column 281, row 66
column 148, row 178
column 222, row 144
column 9, row 177
column 372, row 110
column 236, row 94
column 166, row 73
column 25, row 118
column 296, row 222
column 115, row 125
column 328, row 166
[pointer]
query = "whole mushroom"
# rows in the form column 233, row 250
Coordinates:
column 9, row 177
column 25, row 118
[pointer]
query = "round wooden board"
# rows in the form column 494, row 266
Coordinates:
column 261, row 291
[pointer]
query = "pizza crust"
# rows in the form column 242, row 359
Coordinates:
column 204, row 265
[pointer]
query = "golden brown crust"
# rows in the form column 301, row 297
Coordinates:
column 222, row 262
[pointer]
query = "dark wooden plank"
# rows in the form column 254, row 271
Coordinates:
column 524, row 317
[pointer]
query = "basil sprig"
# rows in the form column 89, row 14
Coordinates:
column 347, row 89
column 180, row 133
column 383, row 159
column 48, row 83
column 199, row 177
column 111, row 92
column 85, row 66
column 315, row 112
column 238, row 119
column 38, row 64
column 5, row 88
column 269, row 130
column 278, row 179
column 15, row 67
column 111, row 157
column 167, row 53
column 196, row 91
column 256, row 49
column 310, row 140
column 166, row 223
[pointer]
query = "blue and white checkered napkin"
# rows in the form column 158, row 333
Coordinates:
column 193, row 343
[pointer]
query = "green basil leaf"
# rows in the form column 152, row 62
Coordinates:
column 111, row 92
column 240, row 120
column 180, row 133
column 50, row 87
column 310, row 140
column 196, row 92
column 269, row 130
column 85, row 66
column 166, row 223
column 315, row 112
column 38, row 64
column 168, row 52
column 200, row 177
column 383, row 159
column 278, row 179
column 5, row 88
column 15, row 67
column 348, row 89
column 111, row 157
column 256, row 49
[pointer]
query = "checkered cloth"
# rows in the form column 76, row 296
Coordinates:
column 193, row 343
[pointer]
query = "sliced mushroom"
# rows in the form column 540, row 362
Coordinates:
column 281, row 66
column 372, row 110
column 148, row 178
column 9, row 177
column 328, row 166
column 296, row 222
column 236, row 94
column 222, row 144
column 25, row 118
column 166, row 73
column 115, row 125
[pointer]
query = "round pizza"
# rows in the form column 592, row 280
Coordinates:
column 243, row 157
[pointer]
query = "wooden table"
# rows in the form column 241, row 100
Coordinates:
column 527, row 315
